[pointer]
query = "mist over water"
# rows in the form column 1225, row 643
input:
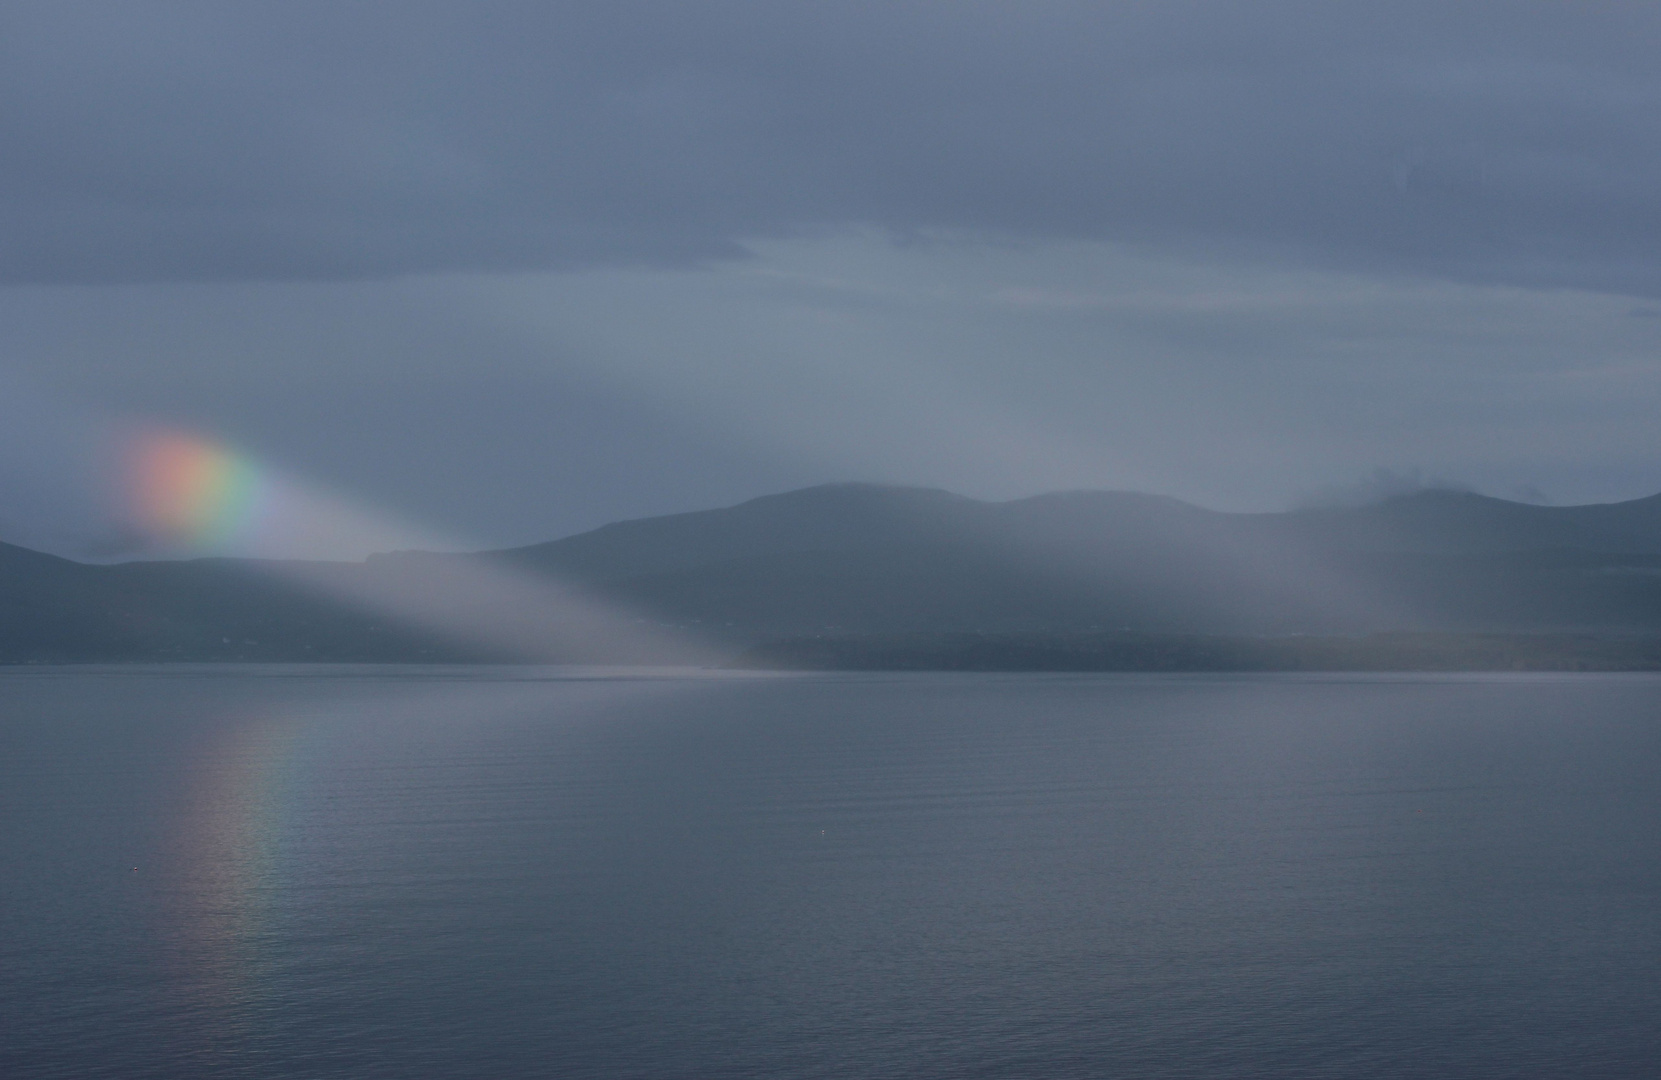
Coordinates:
column 360, row 872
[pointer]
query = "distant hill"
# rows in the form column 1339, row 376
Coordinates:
column 862, row 558
column 56, row 611
column 847, row 517
column 847, row 560
column 1441, row 522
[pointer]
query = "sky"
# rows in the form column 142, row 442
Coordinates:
column 503, row 272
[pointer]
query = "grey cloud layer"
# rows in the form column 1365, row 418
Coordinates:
column 1514, row 142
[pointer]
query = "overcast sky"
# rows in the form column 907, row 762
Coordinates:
column 512, row 270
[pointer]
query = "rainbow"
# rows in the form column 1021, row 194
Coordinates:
column 185, row 490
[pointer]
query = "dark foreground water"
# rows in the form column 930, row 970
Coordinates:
column 496, row 873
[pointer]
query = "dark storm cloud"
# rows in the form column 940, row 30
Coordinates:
column 1515, row 142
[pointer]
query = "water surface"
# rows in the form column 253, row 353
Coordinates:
column 451, row 872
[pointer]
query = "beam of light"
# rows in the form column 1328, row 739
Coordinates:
column 202, row 497
column 817, row 391
column 192, row 496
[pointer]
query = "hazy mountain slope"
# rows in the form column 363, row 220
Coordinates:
column 1454, row 521
column 55, row 610
column 866, row 559
column 833, row 517
column 845, row 517
column 48, row 603
column 856, row 557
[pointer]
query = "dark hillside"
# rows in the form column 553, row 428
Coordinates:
column 863, row 559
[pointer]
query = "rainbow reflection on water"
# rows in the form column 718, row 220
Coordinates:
column 229, row 876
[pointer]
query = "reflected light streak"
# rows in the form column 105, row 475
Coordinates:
column 284, row 806
column 230, row 840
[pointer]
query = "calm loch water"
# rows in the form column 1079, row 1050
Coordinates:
column 312, row 872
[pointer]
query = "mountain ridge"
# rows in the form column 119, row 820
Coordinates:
column 867, row 559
